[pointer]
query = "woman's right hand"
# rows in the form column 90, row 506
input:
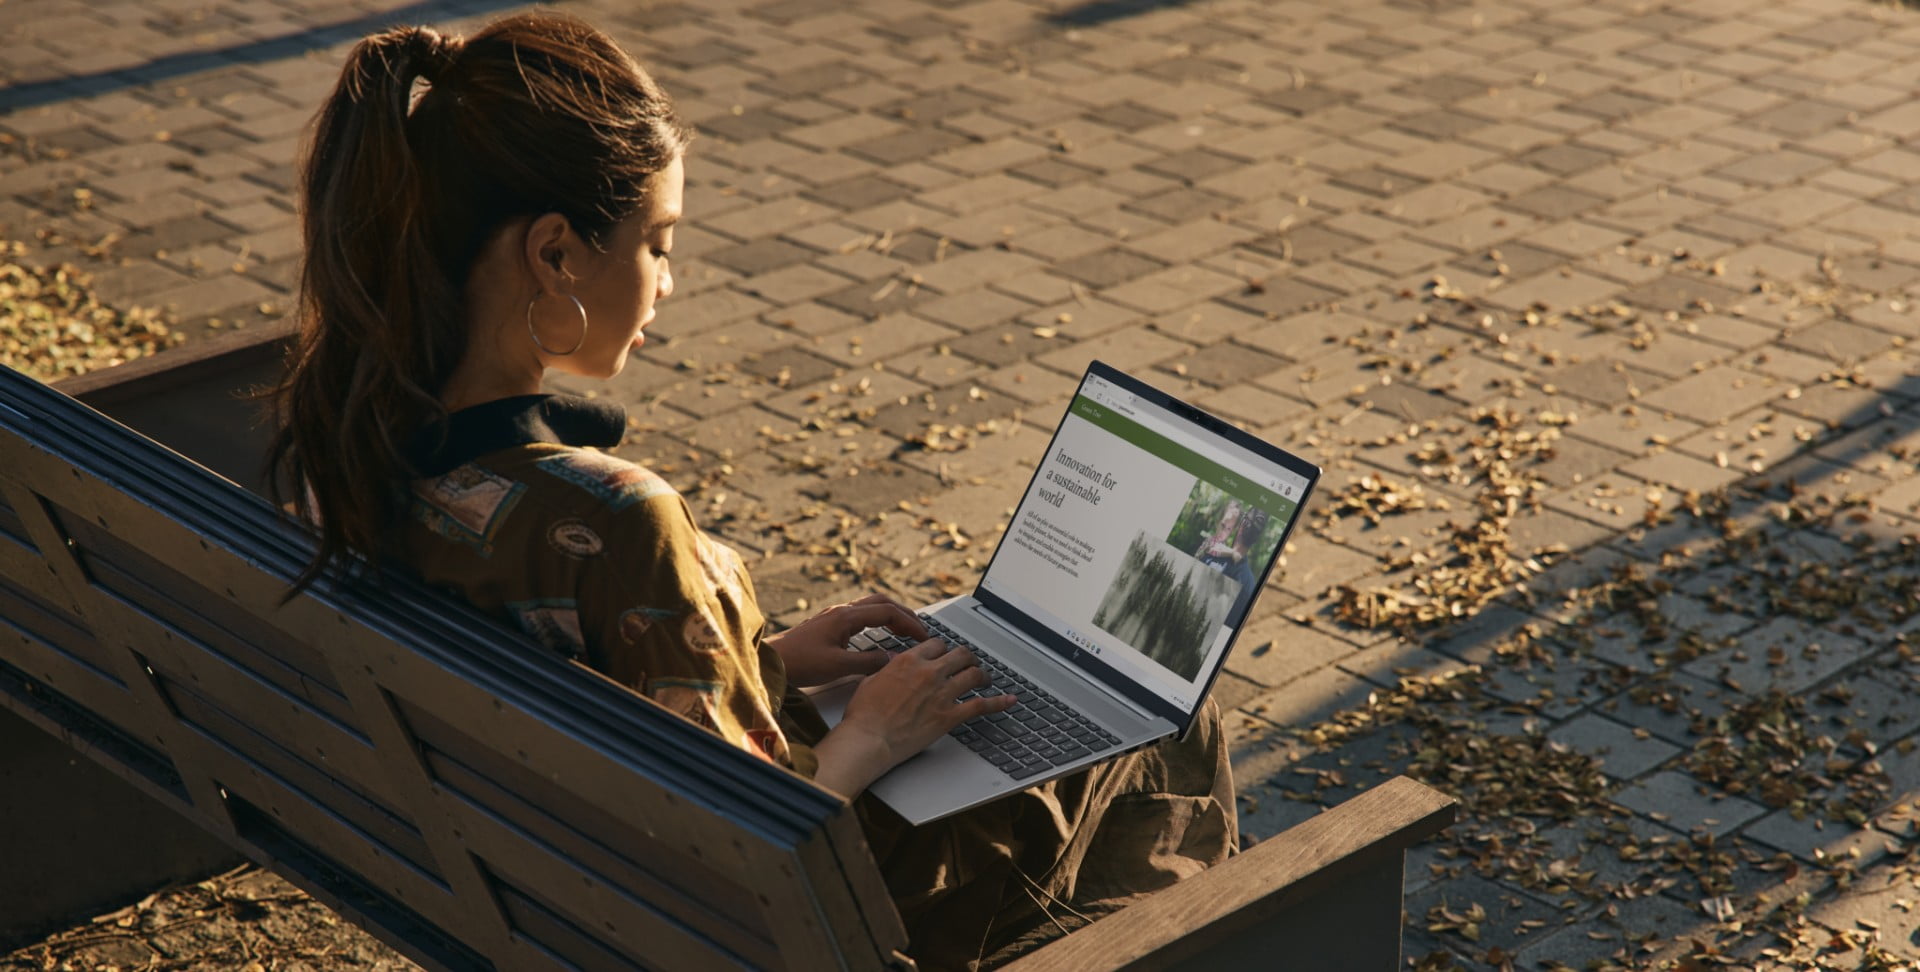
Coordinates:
column 900, row 710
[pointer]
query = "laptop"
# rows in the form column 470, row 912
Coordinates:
column 1126, row 573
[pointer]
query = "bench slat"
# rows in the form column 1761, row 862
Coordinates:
column 1177, row 926
column 125, row 570
column 66, row 643
column 272, row 843
column 85, row 729
column 394, row 831
column 504, row 795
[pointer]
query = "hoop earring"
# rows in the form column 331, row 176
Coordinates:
column 535, row 334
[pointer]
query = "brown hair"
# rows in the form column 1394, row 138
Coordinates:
column 1253, row 522
column 535, row 114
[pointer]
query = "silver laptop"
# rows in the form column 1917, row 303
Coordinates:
column 1126, row 573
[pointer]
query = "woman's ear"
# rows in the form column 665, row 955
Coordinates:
column 550, row 251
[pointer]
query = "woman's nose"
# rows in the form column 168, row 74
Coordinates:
column 666, row 284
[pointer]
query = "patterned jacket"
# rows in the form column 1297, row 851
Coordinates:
column 599, row 560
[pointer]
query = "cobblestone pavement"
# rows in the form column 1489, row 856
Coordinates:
column 1597, row 313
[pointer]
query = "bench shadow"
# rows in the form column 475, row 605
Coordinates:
column 33, row 94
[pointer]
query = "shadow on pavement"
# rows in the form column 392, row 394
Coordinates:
column 1106, row 11
column 1709, row 822
column 35, row 93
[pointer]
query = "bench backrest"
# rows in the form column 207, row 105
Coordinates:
column 474, row 800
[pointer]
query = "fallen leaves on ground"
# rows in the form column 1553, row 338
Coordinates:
column 53, row 325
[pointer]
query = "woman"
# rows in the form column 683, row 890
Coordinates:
column 1223, row 532
column 516, row 217
column 1232, row 555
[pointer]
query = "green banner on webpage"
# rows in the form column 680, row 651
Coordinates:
column 1234, row 484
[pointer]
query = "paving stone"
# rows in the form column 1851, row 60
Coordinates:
column 1713, row 394
column 872, row 300
column 788, row 367
column 1405, row 402
column 748, row 125
column 1509, row 911
column 1127, row 348
column 1773, row 168
column 1671, row 469
column 1445, row 88
column 1623, row 753
column 1305, row 100
column 1881, row 903
column 1224, row 365
column 1311, row 565
column 1678, row 800
column 1554, row 692
column 1553, row 202
column 974, row 311
column 1108, row 267
column 1378, row 182
column 1874, row 273
column 1181, row 204
column 759, row 256
column 859, row 192
column 937, row 105
column 1277, row 299
column 1564, row 159
column 908, row 146
column 1307, row 244
column 1053, row 172
column 1841, row 341
column 1192, row 165
column 1813, row 838
column 961, row 405
column 1613, row 939
column 1274, row 651
column 1785, row 654
column 811, row 80
column 1611, row 105
column 1441, row 124
column 1670, row 705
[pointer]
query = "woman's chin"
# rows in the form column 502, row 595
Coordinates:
column 618, row 364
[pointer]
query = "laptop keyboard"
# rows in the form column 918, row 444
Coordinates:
column 1038, row 733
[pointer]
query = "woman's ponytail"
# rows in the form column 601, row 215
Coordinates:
column 428, row 146
column 375, row 304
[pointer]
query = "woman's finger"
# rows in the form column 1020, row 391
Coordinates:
column 930, row 649
column 975, row 708
column 884, row 613
column 864, row 662
column 972, row 678
column 915, row 627
column 956, row 661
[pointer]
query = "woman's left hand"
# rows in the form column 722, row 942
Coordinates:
column 815, row 650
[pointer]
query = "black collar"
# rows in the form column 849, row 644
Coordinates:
column 507, row 422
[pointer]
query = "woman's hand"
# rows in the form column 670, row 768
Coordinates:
column 899, row 711
column 815, row 650
column 1226, row 551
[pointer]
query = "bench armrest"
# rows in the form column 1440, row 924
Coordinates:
column 1360, row 842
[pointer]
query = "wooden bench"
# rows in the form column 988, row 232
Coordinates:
column 481, row 804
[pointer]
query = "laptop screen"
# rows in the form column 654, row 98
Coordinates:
column 1144, row 535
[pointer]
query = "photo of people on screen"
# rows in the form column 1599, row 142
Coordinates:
column 1227, row 534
